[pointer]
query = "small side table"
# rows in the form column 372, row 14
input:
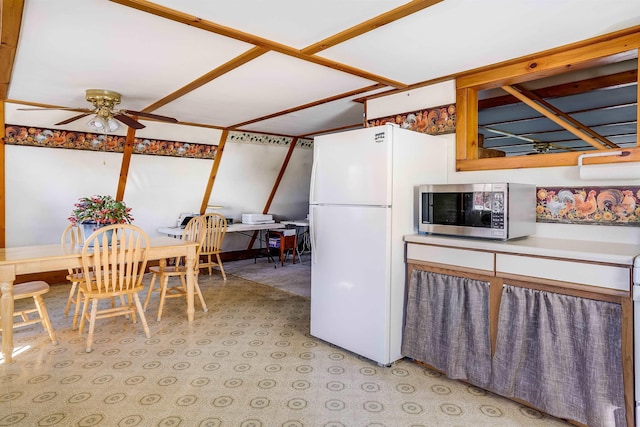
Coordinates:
column 285, row 243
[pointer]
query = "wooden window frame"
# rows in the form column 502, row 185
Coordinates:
column 602, row 50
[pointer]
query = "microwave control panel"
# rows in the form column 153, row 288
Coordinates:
column 497, row 210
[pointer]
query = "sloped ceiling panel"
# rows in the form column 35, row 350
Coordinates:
column 459, row 35
column 272, row 82
column 290, row 22
column 142, row 56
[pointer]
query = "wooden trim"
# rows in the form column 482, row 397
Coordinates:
column 126, row 162
column 203, row 24
column 495, row 297
column 370, row 25
column 557, row 120
column 10, row 22
column 434, row 267
column 467, row 130
column 565, row 89
column 566, row 288
column 236, row 62
column 600, row 50
column 283, row 168
column 567, row 118
column 309, row 105
column 214, row 171
column 541, row 161
column 276, row 184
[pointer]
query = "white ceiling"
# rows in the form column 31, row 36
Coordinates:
column 67, row 46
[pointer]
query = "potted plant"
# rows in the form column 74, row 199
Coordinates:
column 94, row 212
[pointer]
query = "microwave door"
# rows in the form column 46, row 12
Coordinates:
column 468, row 209
column 442, row 208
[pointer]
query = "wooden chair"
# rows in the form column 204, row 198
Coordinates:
column 113, row 268
column 72, row 236
column 216, row 228
column 33, row 290
column 193, row 232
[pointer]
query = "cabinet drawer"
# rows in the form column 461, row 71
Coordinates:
column 566, row 271
column 451, row 256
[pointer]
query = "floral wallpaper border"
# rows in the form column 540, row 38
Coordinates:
column 59, row 138
column 589, row 205
column 433, row 121
column 259, row 138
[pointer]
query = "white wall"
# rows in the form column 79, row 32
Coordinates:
column 444, row 93
column 42, row 184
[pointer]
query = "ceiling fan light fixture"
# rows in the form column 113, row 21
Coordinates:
column 112, row 125
column 101, row 125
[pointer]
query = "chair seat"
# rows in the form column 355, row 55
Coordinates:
column 34, row 290
column 76, row 277
column 30, row 289
column 104, row 294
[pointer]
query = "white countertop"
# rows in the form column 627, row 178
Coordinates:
column 585, row 250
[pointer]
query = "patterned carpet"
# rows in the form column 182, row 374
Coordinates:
column 249, row 361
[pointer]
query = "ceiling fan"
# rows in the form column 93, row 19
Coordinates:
column 539, row 147
column 545, row 147
column 106, row 116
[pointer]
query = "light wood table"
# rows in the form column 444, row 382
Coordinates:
column 37, row 259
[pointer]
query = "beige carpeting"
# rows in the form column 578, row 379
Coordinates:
column 249, row 361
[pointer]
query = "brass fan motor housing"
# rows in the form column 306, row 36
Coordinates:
column 103, row 100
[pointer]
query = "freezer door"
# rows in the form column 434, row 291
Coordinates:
column 352, row 168
column 350, row 279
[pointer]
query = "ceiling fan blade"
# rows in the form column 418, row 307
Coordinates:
column 72, row 119
column 56, row 108
column 152, row 116
column 128, row 121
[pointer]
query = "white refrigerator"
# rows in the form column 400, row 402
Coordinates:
column 362, row 202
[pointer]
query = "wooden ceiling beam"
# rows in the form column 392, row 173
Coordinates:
column 10, row 22
column 214, row 171
column 203, row 24
column 602, row 50
column 566, row 117
column 566, row 89
column 370, row 25
column 223, row 69
column 551, row 116
column 309, row 105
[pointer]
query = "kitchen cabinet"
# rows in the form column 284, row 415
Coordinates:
column 447, row 325
column 532, row 283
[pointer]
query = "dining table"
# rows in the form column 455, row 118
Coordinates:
column 42, row 258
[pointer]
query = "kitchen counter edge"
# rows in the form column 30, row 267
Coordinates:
column 583, row 250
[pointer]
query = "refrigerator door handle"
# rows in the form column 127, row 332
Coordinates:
column 312, row 233
column 314, row 173
column 636, row 291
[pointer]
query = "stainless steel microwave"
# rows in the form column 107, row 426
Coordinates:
column 499, row 211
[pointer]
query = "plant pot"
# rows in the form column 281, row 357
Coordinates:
column 89, row 227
